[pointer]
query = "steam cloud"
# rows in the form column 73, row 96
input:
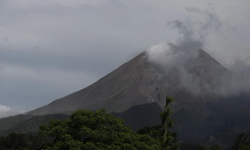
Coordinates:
column 193, row 36
column 7, row 111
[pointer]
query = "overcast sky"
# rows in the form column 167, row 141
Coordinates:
column 51, row 48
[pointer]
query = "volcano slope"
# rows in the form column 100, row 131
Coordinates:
column 139, row 82
column 132, row 91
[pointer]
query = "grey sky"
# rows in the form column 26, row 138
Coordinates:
column 51, row 48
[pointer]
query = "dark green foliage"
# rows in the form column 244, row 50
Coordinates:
column 88, row 130
column 222, row 118
column 18, row 141
column 241, row 143
column 95, row 130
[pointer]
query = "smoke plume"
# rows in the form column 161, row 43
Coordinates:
column 193, row 36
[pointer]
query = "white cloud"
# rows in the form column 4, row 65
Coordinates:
column 6, row 111
column 4, row 108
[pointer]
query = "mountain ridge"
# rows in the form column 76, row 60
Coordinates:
column 136, row 82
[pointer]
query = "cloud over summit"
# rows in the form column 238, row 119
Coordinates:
column 195, row 35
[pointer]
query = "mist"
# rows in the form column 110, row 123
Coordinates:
column 197, row 32
column 6, row 111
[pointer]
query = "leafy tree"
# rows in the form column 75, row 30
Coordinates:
column 160, row 132
column 95, row 131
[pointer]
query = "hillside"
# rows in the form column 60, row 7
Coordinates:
column 28, row 125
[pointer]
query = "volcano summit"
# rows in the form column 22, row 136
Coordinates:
column 142, row 81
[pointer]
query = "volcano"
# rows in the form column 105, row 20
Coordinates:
column 136, row 92
column 137, row 82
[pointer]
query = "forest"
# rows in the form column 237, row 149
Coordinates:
column 98, row 130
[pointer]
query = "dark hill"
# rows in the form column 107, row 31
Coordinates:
column 141, row 115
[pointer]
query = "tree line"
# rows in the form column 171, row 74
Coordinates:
column 98, row 130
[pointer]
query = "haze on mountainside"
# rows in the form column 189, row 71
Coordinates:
column 6, row 110
column 180, row 69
